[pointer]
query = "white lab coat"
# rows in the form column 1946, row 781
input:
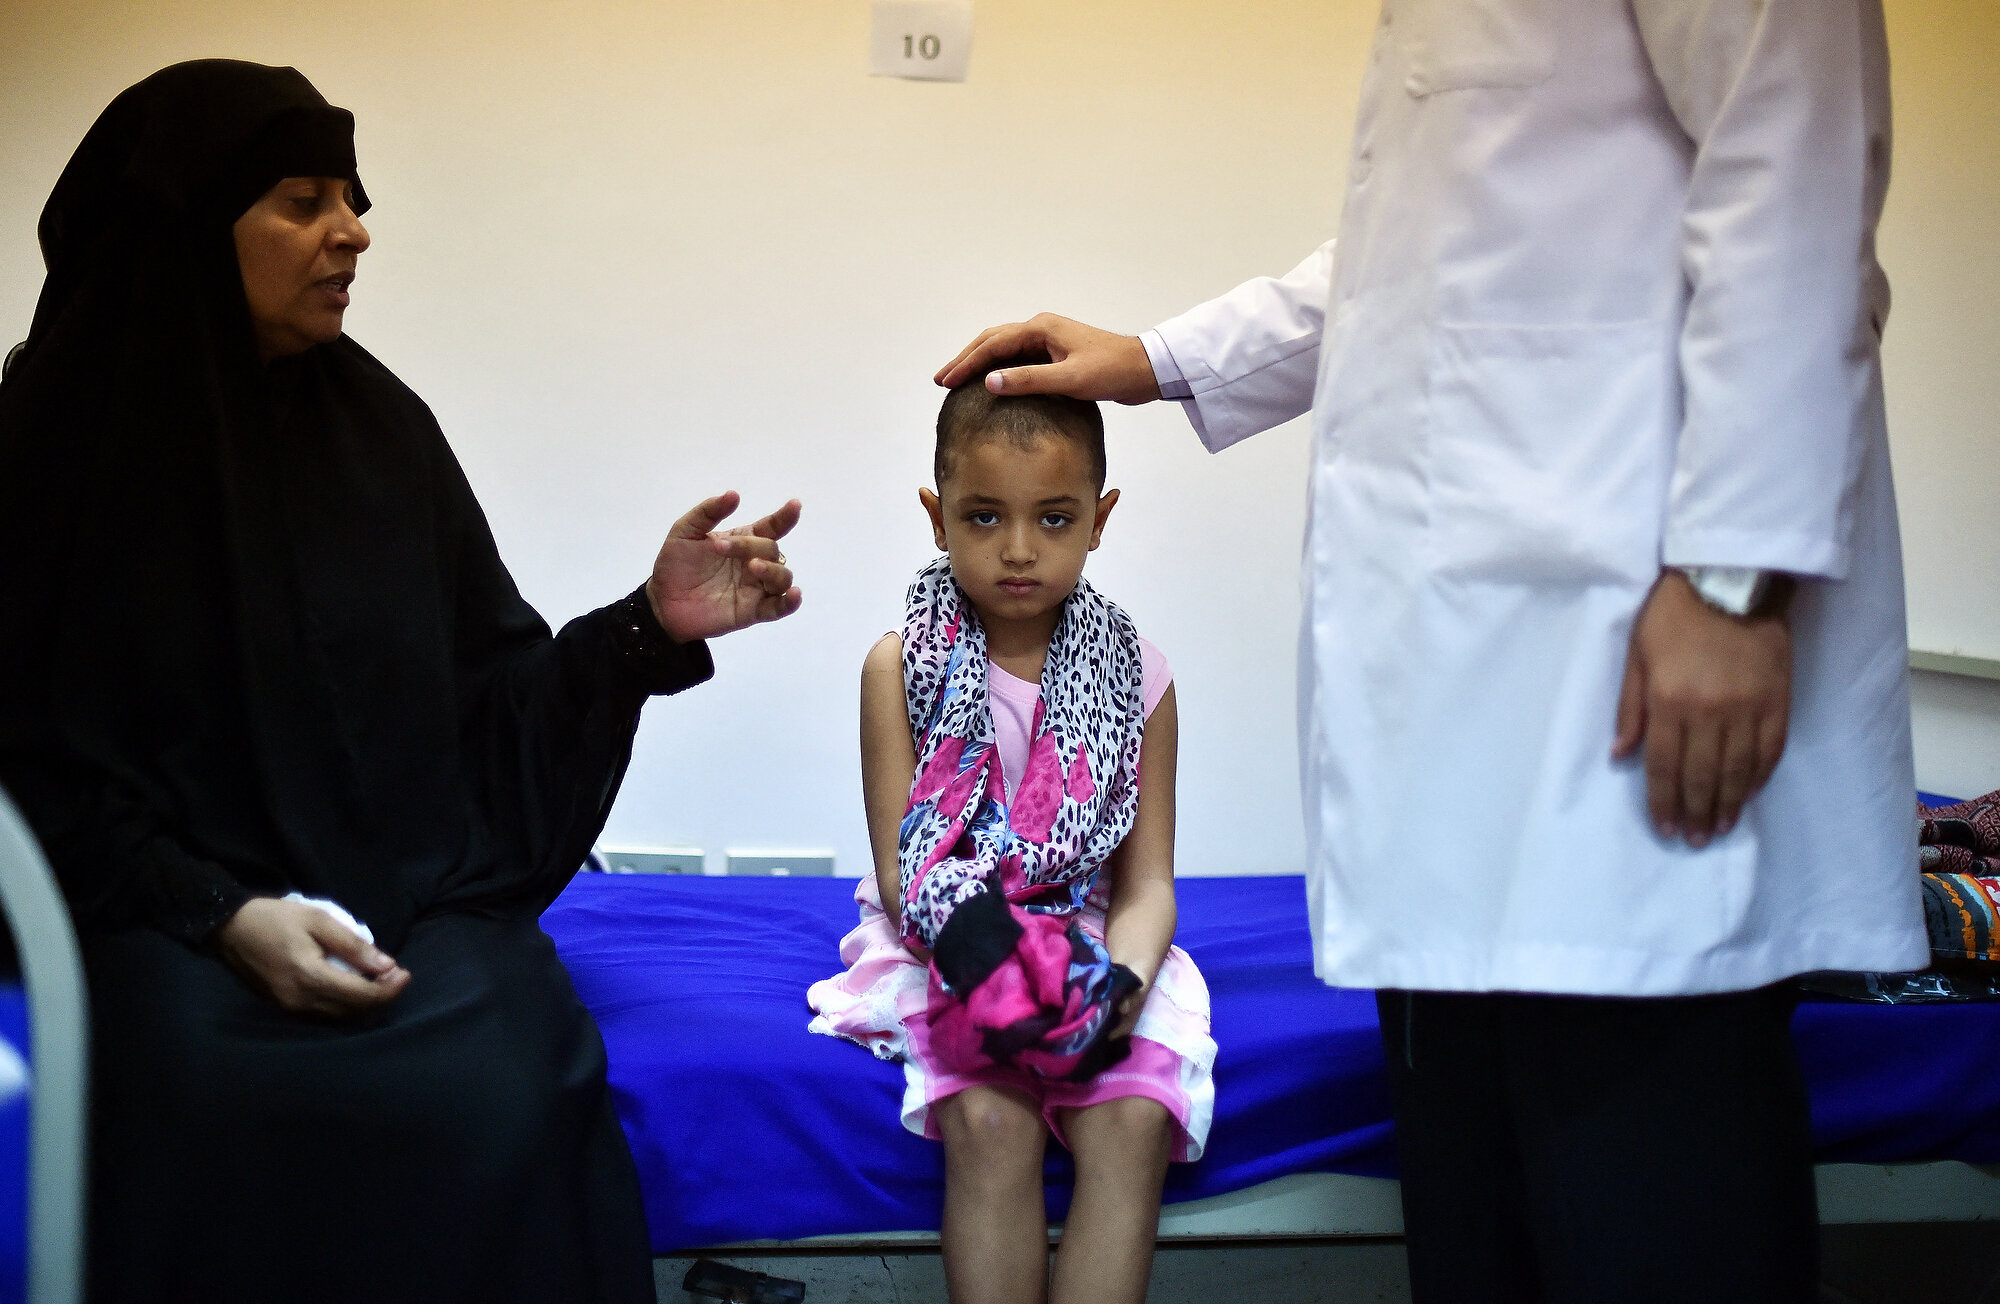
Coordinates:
column 1605, row 299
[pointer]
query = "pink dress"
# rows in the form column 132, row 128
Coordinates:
column 879, row 1001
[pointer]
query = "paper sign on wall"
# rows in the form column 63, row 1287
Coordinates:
column 930, row 40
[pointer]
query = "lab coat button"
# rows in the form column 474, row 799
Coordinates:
column 1363, row 165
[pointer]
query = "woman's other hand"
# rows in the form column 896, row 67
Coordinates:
column 1086, row 362
column 284, row 949
column 707, row 582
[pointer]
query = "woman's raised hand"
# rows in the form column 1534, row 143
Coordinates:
column 708, row 582
column 1085, row 362
column 283, row 948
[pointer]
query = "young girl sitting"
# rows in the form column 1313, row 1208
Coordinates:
column 1014, row 951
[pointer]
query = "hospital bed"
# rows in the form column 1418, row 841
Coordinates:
column 750, row 1131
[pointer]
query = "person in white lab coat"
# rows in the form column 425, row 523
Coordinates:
column 1603, row 687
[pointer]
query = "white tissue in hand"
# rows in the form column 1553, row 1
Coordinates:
column 334, row 908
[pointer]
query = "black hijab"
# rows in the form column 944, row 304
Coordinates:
column 254, row 635
column 169, row 166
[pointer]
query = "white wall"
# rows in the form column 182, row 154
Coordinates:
column 637, row 252
column 1956, row 724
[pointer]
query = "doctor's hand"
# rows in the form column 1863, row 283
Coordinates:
column 282, row 948
column 1708, row 695
column 708, row 582
column 1086, row 362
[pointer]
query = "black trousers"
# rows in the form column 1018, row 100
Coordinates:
column 1587, row 1150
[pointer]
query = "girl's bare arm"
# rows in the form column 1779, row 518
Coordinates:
column 1140, row 923
column 888, row 764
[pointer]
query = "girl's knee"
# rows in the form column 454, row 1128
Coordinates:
column 991, row 1123
column 1133, row 1124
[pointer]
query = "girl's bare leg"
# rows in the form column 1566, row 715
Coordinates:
column 1121, row 1151
column 996, row 1228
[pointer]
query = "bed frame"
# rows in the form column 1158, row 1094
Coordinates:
column 1336, row 1206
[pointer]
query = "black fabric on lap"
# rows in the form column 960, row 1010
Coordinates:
column 461, row 1147
column 979, row 935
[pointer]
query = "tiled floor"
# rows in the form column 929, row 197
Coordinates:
column 1915, row 1263
column 1283, row 1274
column 1911, row 1263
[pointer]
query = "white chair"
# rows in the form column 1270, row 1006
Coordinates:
column 59, row 1044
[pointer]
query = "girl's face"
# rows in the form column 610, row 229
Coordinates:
column 297, row 248
column 1018, row 522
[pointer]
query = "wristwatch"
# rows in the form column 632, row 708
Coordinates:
column 1738, row 590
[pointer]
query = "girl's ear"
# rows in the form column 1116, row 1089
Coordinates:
column 935, row 510
column 1104, row 506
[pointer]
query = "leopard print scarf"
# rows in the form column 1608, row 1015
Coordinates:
column 1078, row 795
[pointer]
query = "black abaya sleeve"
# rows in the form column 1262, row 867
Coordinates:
column 109, row 833
column 89, row 822
column 546, row 722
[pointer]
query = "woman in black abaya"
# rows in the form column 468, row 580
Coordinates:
column 255, row 640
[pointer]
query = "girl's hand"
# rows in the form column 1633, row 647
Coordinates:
column 282, row 948
column 707, row 582
column 1128, row 1012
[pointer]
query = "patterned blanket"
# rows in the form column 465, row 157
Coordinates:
column 1959, row 853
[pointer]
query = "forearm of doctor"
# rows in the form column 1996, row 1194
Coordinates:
column 1706, row 700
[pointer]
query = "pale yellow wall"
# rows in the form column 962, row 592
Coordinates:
column 635, row 251
column 1941, row 244
column 632, row 252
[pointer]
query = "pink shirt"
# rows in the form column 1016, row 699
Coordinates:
column 1013, row 704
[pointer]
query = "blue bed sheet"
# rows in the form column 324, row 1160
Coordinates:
column 14, row 1153
column 745, row 1126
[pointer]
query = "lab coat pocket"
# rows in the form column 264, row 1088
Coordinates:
column 1452, row 45
column 1550, row 449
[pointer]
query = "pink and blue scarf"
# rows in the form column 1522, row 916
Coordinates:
column 992, row 886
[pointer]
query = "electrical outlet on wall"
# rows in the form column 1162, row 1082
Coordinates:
column 652, row 860
column 782, row 864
